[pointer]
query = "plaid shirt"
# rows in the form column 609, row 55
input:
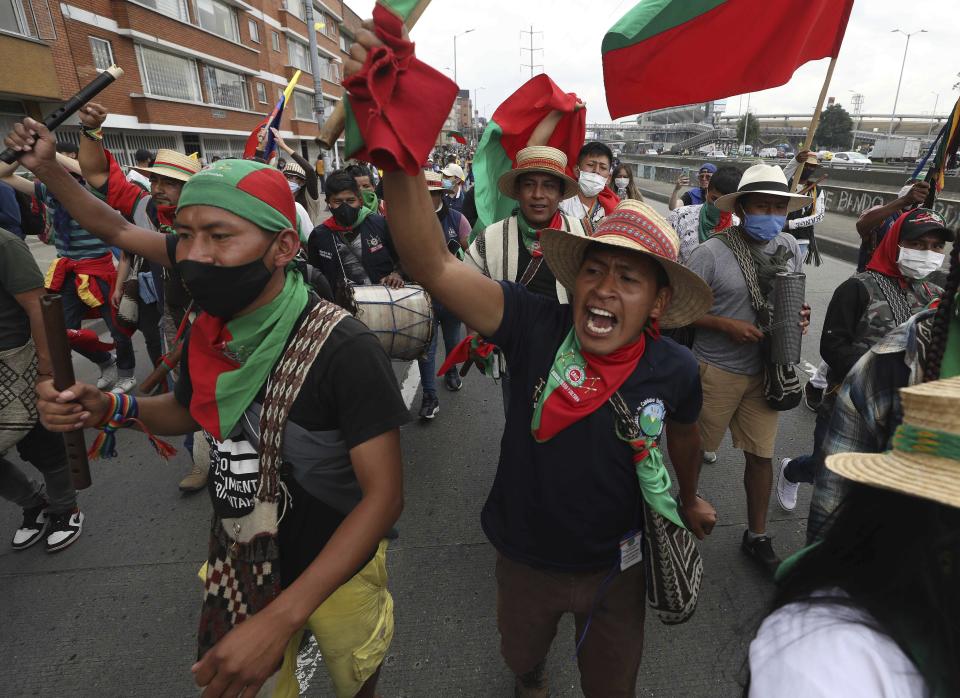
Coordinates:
column 868, row 409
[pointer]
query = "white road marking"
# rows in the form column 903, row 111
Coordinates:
column 410, row 383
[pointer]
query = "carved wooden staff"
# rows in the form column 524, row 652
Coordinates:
column 333, row 127
column 51, row 307
column 71, row 106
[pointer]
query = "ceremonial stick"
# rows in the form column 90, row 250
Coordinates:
column 71, row 107
column 814, row 120
column 51, row 307
column 333, row 127
column 159, row 374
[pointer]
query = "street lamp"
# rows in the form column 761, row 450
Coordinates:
column 473, row 116
column 896, row 97
column 455, row 51
column 933, row 114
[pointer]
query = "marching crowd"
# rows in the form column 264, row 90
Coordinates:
column 612, row 330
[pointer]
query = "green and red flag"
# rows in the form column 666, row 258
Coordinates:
column 508, row 132
column 457, row 136
column 396, row 105
column 663, row 53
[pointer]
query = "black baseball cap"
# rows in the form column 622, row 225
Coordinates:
column 921, row 221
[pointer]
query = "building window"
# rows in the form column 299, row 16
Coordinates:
column 346, row 41
column 295, row 7
column 254, row 30
column 225, row 88
column 303, row 106
column 261, row 93
column 167, row 75
column 171, row 8
column 13, row 18
column 298, row 54
column 275, row 40
column 328, row 25
column 102, row 53
column 217, row 17
column 329, row 70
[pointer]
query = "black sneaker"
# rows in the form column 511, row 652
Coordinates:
column 429, row 407
column 761, row 550
column 452, row 381
column 35, row 523
column 64, row 529
column 812, row 396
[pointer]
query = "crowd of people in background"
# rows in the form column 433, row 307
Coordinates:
column 665, row 320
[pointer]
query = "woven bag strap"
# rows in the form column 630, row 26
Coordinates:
column 284, row 385
column 732, row 239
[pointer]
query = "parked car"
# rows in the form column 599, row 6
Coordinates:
column 768, row 152
column 851, row 158
column 825, row 155
column 788, row 154
column 715, row 154
column 650, row 151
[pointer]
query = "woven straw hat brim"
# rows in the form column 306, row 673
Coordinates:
column 727, row 201
column 930, row 477
column 508, row 180
column 168, row 172
column 690, row 297
column 185, row 166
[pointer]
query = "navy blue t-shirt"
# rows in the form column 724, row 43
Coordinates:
column 565, row 504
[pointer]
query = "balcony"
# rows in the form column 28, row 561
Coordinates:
column 29, row 70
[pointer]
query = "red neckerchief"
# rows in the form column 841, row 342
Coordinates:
column 608, row 200
column 333, row 225
column 884, row 258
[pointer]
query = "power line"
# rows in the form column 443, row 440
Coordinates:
column 531, row 65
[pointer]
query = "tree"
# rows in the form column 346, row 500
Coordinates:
column 753, row 129
column 835, row 130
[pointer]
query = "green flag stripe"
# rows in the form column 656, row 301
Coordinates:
column 401, row 8
column 489, row 163
column 652, row 17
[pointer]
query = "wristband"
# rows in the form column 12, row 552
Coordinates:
column 94, row 134
column 123, row 411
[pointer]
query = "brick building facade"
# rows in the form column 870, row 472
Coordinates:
column 198, row 74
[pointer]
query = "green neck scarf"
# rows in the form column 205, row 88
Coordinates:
column 230, row 361
column 709, row 220
column 527, row 234
column 950, row 363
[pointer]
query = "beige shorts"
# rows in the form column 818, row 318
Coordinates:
column 736, row 401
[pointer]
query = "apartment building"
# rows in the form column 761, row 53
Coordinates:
column 199, row 75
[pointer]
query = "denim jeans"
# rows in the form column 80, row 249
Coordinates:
column 74, row 310
column 450, row 327
column 45, row 451
column 804, row 468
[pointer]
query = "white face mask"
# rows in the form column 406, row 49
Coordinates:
column 294, row 187
column 621, row 182
column 591, row 184
column 918, row 264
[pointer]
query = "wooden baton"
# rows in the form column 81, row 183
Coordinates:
column 159, row 374
column 51, row 307
column 333, row 127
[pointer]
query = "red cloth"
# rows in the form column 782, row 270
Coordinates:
column 87, row 340
column 640, row 71
column 884, row 258
column 519, row 116
column 399, row 102
column 84, row 271
column 122, row 194
column 608, row 200
column 461, row 353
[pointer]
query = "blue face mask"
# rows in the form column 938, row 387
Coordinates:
column 763, row 226
column 448, row 184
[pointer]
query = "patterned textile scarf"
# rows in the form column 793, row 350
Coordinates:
column 711, row 219
column 530, row 235
column 579, row 383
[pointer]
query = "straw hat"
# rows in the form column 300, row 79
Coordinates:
column 925, row 460
column 434, row 181
column 538, row 158
column 763, row 179
column 294, row 168
column 171, row 164
column 633, row 226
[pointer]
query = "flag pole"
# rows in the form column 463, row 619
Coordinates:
column 815, row 119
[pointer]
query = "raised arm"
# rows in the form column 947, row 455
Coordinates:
column 24, row 185
column 35, row 141
column 93, row 160
column 311, row 173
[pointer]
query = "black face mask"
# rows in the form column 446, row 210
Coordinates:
column 225, row 291
column 345, row 215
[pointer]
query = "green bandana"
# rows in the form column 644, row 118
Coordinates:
column 527, row 234
column 709, row 220
column 950, row 363
column 251, row 190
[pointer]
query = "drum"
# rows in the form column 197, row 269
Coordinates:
column 402, row 318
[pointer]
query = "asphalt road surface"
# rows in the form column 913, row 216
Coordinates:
column 116, row 614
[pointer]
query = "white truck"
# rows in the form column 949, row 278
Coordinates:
column 895, row 149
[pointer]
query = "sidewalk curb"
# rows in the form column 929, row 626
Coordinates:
column 838, row 249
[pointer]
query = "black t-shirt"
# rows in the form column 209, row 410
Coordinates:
column 544, row 283
column 565, row 504
column 350, row 396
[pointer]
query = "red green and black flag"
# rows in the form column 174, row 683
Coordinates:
column 508, row 132
column 397, row 104
column 457, row 136
column 647, row 53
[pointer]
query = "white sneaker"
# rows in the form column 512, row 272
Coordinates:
column 709, row 457
column 108, row 375
column 124, row 385
column 64, row 530
column 786, row 491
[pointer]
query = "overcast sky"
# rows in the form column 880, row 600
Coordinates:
column 869, row 62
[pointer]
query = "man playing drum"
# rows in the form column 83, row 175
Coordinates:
column 567, row 493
